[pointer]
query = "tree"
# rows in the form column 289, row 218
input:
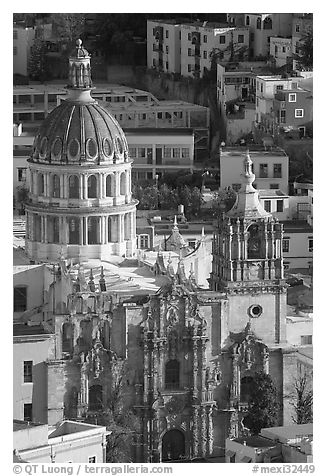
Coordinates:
column 223, row 200
column 304, row 55
column 302, row 400
column 22, row 197
column 168, row 197
column 263, row 404
column 36, row 64
column 196, row 201
column 69, row 26
column 118, row 416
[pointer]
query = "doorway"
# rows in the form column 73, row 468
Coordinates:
column 173, row 445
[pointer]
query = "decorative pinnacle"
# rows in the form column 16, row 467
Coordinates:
column 79, row 43
column 248, row 173
column 175, row 224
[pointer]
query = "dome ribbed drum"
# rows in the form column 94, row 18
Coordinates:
column 80, row 179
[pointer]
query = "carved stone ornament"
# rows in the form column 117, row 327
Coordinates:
column 172, row 316
column 175, row 405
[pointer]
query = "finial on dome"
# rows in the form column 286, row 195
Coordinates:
column 79, row 42
column 175, row 224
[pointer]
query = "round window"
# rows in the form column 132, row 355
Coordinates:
column 107, row 147
column 91, row 148
column 57, row 147
column 119, row 145
column 255, row 310
column 74, row 149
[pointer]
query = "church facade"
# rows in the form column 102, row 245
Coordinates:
column 186, row 355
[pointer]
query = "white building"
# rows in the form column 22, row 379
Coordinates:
column 281, row 50
column 270, row 167
column 23, row 39
column 262, row 27
column 185, row 48
column 158, row 151
column 199, row 40
column 69, row 442
column 267, row 87
column 282, row 444
column 301, row 24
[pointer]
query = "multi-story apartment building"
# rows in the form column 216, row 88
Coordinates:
column 23, row 39
column 199, row 40
column 270, row 168
column 301, row 23
column 236, row 96
column 185, row 48
column 262, row 27
column 163, row 45
column 157, row 151
column 267, row 87
column 281, row 49
column 292, row 109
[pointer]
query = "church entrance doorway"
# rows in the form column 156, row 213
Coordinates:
column 173, row 445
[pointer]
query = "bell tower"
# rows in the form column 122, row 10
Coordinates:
column 248, row 264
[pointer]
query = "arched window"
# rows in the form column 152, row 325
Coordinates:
column 37, row 228
column 40, row 184
column 85, row 333
column 73, row 186
column 254, row 243
column 95, row 398
column 93, row 230
column 109, row 185
column 268, row 24
column 123, row 183
column 73, row 231
column 246, row 389
column 247, row 20
column 92, row 187
column 67, row 337
column 258, row 23
column 53, row 229
column 56, row 186
column 79, row 305
column 172, row 375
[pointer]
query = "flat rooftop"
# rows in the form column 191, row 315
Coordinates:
column 296, row 226
column 19, row 425
column 255, row 441
column 273, row 193
column 163, row 131
column 254, row 151
column 27, row 330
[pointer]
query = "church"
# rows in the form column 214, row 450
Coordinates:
column 187, row 353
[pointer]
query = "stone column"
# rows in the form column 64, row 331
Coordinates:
column 122, row 225
column 119, row 228
column 85, row 230
column 81, row 231
column 146, row 368
column 46, row 229
column 203, row 431
column 195, row 366
column 81, row 188
column 117, row 184
column 85, row 177
column 42, row 229
column 195, row 433
column 210, row 433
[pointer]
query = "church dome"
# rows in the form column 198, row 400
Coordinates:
column 76, row 132
column 79, row 130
